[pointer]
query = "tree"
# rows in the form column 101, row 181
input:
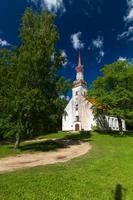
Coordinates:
column 34, row 103
column 7, row 66
column 114, row 91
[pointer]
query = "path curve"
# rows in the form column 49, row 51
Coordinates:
column 29, row 160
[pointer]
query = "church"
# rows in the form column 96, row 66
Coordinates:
column 78, row 114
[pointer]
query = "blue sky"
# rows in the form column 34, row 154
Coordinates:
column 102, row 29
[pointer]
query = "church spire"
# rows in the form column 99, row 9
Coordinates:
column 79, row 74
column 79, row 69
column 79, row 59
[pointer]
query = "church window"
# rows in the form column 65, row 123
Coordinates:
column 76, row 93
column 77, row 118
column 65, row 115
column 76, row 107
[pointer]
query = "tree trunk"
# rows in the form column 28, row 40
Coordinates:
column 120, row 125
column 18, row 134
column 17, row 143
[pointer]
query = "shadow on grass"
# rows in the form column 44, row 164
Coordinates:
column 119, row 193
column 42, row 146
column 54, row 144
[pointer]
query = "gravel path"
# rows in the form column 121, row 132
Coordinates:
column 29, row 160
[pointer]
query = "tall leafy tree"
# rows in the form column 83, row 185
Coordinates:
column 34, row 94
column 114, row 91
column 7, row 70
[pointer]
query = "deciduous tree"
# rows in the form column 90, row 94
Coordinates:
column 114, row 90
column 31, row 87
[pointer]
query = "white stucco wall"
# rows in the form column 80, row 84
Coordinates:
column 84, row 112
column 67, row 120
column 87, row 117
column 113, row 123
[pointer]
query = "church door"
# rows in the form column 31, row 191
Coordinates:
column 77, row 127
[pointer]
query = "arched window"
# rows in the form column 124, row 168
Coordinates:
column 65, row 115
column 76, row 107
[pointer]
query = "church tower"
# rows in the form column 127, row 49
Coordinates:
column 79, row 86
column 78, row 113
column 79, row 91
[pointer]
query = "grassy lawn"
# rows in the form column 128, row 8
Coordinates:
column 106, row 173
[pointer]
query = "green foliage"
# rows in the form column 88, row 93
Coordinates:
column 114, row 90
column 30, row 87
column 95, row 128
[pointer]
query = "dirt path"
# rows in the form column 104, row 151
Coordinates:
column 43, row 158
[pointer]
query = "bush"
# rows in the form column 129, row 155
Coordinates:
column 84, row 133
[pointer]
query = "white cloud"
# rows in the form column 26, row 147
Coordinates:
column 64, row 55
column 51, row 5
column 63, row 97
column 130, row 3
column 129, row 16
column 102, row 53
column 122, row 58
column 100, row 56
column 126, row 34
column 77, row 43
column 4, row 43
column 98, row 44
column 130, row 60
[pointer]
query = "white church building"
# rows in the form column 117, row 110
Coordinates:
column 78, row 114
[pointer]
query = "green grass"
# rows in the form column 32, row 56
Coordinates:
column 105, row 173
